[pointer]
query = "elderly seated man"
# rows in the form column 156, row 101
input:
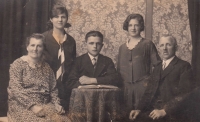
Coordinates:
column 169, row 83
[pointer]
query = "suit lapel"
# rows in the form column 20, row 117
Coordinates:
column 87, row 64
column 100, row 65
column 156, row 76
column 159, row 72
column 169, row 68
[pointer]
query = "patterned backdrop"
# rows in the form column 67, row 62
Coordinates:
column 107, row 16
column 171, row 17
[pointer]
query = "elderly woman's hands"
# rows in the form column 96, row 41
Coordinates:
column 134, row 114
column 38, row 110
column 59, row 109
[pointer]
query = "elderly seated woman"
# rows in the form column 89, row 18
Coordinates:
column 32, row 92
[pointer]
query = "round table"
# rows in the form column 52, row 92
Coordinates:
column 94, row 105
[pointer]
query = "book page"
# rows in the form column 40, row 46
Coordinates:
column 97, row 86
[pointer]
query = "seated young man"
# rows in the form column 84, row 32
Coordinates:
column 92, row 67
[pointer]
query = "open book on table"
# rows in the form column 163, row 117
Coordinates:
column 97, row 87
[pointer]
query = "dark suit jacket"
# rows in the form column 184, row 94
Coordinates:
column 105, row 71
column 167, row 89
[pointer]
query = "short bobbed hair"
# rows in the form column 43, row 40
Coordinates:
column 95, row 34
column 134, row 16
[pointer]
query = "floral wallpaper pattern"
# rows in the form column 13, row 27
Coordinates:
column 107, row 16
column 171, row 17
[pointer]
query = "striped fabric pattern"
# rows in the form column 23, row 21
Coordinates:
column 163, row 65
column 61, row 57
column 94, row 62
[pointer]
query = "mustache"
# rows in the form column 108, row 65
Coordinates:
column 164, row 51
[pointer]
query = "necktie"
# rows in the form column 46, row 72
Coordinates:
column 94, row 62
column 61, row 58
column 163, row 65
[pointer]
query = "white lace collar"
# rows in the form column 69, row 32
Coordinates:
column 131, row 46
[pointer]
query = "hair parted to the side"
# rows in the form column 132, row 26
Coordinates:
column 134, row 16
column 95, row 34
column 56, row 10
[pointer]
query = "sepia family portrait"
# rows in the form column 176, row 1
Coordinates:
column 99, row 61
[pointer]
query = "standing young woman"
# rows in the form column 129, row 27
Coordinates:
column 136, row 58
column 61, row 50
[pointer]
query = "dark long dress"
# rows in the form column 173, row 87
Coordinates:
column 134, row 66
column 51, row 57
